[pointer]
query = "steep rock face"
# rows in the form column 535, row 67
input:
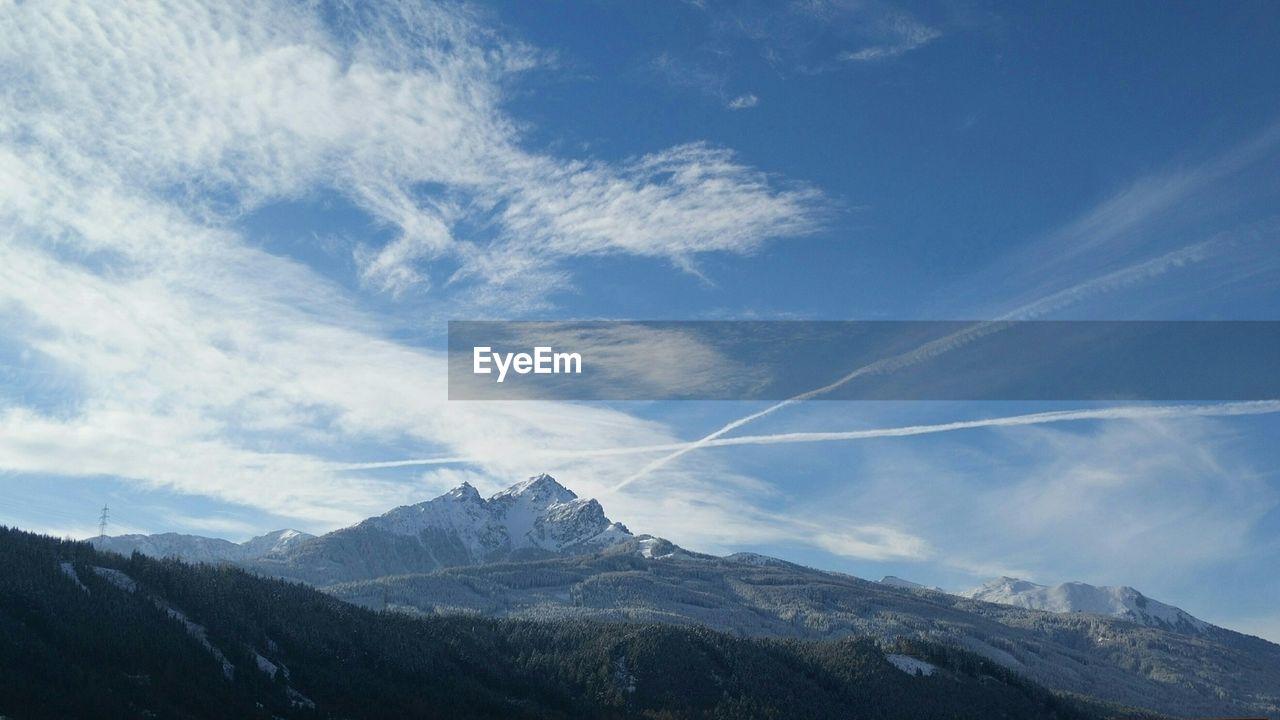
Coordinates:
column 535, row 518
column 1122, row 602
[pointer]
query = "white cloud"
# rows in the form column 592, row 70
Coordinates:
column 131, row 135
column 1152, row 503
column 903, row 34
column 1183, row 216
column 1120, row 412
column 238, row 105
column 188, row 359
column 743, row 102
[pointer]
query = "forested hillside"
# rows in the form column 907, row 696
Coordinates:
column 90, row 634
column 1210, row 673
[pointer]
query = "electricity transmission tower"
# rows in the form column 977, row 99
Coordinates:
column 102, row 524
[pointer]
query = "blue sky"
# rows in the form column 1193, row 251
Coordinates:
column 232, row 236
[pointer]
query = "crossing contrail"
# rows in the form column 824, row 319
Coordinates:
column 1123, row 412
column 1106, row 283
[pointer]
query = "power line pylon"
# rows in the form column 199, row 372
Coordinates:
column 102, row 523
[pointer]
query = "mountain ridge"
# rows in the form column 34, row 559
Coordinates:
column 1079, row 597
column 536, row 551
column 539, row 517
column 96, row 634
column 1216, row 673
column 197, row 548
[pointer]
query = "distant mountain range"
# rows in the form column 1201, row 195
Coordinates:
column 537, row 551
column 194, row 548
column 537, row 519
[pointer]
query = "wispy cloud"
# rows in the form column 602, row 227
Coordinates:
column 189, row 359
column 709, row 76
column 183, row 356
column 1099, row 234
column 1123, row 412
column 903, row 34
column 1109, row 504
column 236, row 106
column 1172, row 217
column 935, row 348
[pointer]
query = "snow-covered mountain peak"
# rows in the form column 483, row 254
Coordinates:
column 541, row 490
column 577, row 507
column 462, row 528
column 466, row 492
column 1006, row 585
column 274, row 542
column 531, row 519
column 1078, row 597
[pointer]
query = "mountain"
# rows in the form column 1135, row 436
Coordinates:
column 895, row 581
column 194, row 548
column 646, row 580
column 538, row 552
column 898, row 582
column 191, row 548
column 1078, row 597
column 93, row 634
column 533, row 519
column 275, row 542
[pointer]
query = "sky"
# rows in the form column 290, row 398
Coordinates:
column 232, row 234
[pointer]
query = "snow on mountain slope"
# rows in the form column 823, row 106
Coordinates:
column 460, row 513
column 191, row 548
column 535, row 518
column 896, row 581
column 194, row 548
column 646, row 580
column 910, row 665
column 1077, row 597
column 273, row 542
column 538, row 513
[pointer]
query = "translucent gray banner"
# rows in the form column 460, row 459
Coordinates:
column 857, row 360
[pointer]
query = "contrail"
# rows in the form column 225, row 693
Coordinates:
column 934, row 348
column 1124, row 412
column 1134, row 412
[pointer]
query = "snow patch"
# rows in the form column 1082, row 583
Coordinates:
column 117, row 578
column 266, row 666
column 297, row 699
column 622, row 675
column 750, row 558
column 652, row 548
column 198, row 631
column 910, row 665
column 70, row 571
